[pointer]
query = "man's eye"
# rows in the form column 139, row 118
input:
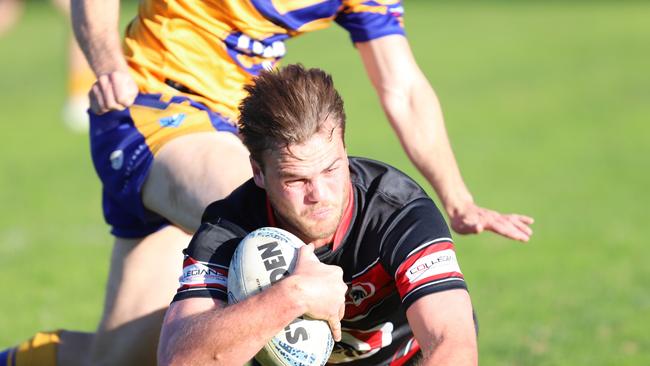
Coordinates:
column 294, row 182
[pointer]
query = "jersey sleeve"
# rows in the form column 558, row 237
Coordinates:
column 368, row 20
column 206, row 261
column 420, row 253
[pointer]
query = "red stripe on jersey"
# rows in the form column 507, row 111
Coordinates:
column 367, row 290
column 428, row 280
column 269, row 213
column 346, row 219
column 404, row 354
column 188, row 261
column 405, row 284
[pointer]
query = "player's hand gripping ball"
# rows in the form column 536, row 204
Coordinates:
column 262, row 258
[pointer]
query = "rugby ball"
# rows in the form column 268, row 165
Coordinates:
column 261, row 259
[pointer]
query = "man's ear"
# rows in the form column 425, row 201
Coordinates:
column 258, row 174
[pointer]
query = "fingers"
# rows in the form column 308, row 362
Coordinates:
column 323, row 289
column 307, row 248
column 104, row 93
column 306, row 253
column 113, row 91
column 124, row 89
column 335, row 323
column 335, row 327
column 475, row 219
column 509, row 226
column 522, row 223
column 525, row 219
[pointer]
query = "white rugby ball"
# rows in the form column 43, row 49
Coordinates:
column 262, row 258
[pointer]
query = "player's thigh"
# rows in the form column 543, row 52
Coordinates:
column 193, row 170
column 142, row 281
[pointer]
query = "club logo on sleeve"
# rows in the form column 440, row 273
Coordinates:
column 433, row 264
column 199, row 273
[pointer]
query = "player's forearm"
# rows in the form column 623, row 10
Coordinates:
column 231, row 335
column 444, row 327
column 95, row 24
column 416, row 116
column 452, row 354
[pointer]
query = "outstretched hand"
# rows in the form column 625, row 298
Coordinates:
column 473, row 219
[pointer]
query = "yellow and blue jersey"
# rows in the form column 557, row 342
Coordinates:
column 191, row 59
column 211, row 48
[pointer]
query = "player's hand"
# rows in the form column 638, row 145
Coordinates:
column 112, row 91
column 322, row 289
column 473, row 219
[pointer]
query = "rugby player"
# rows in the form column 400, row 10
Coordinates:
column 358, row 215
column 164, row 108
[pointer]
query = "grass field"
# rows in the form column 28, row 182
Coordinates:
column 547, row 105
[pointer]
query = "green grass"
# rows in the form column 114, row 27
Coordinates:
column 547, row 107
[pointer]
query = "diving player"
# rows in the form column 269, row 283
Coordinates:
column 165, row 145
column 380, row 266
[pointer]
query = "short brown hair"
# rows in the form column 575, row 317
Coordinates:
column 288, row 106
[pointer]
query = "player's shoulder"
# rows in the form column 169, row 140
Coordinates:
column 228, row 219
column 384, row 181
column 212, row 237
column 245, row 206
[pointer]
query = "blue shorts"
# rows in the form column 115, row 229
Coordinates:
column 124, row 144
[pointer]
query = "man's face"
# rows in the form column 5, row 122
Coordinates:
column 308, row 185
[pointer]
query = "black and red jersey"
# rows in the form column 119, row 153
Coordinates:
column 392, row 243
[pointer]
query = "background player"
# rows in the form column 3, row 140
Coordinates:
column 181, row 82
column 358, row 215
column 80, row 76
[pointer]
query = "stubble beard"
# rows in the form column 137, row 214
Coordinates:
column 311, row 230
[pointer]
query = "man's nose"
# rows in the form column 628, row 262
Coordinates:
column 317, row 190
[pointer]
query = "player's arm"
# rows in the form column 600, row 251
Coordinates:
column 95, row 24
column 200, row 331
column 203, row 330
column 443, row 325
column 431, row 284
column 414, row 112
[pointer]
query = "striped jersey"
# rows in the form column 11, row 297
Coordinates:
column 210, row 48
column 392, row 243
